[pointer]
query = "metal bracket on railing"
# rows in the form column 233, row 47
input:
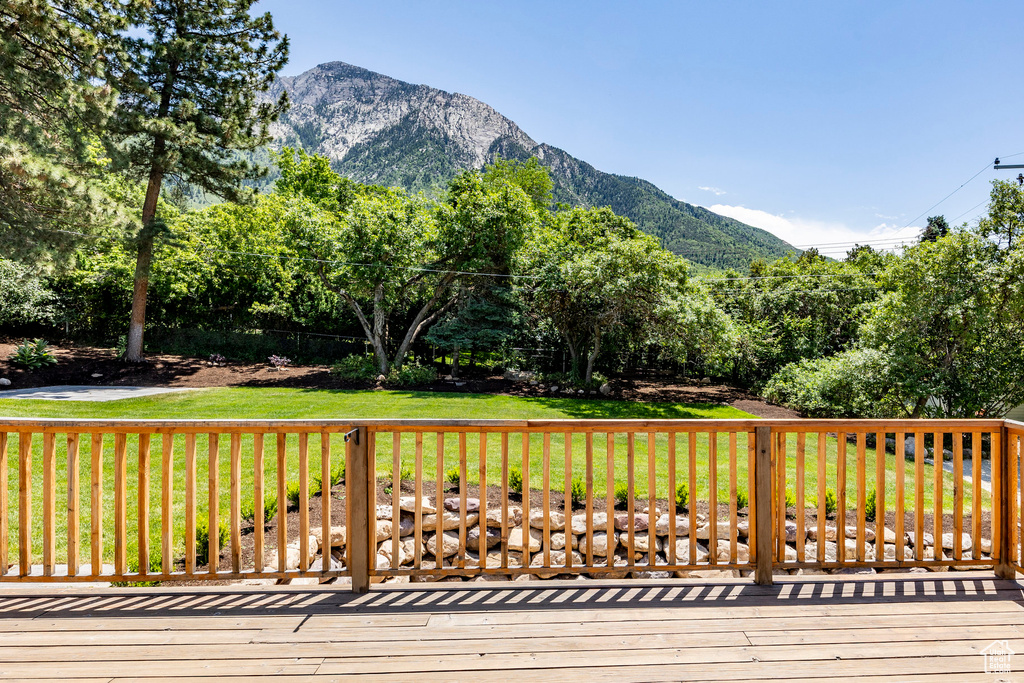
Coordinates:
column 349, row 435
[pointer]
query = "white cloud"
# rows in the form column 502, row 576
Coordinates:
column 831, row 238
column 714, row 190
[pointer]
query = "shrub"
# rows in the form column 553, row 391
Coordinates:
column 248, row 511
column 790, row 499
column 338, row 473
column 279, row 362
column 831, row 503
column 269, row 509
column 356, row 368
column 515, row 480
column 577, row 492
column 203, row 539
column 292, row 494
column 682, row 496
column 621, row 495
column 316, row 485
column 453, row 476
column 741, row 499
column 853, row 383
column 869, row 505
column 411, row 374
column 33, row 355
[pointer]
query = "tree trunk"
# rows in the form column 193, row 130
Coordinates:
column 455, row 362
column 593, row 355
column 919, row 407
column 143, row 264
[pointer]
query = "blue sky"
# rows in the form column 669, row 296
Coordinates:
column 821, row 122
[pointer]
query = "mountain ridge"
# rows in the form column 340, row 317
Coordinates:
column 381, row 130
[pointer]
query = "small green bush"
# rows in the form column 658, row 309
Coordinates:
column 356, row 368
column 831, row 503
column 292, row 494
column 338, row 473
column 790, row 499
column 515, row 480
column 269, row 509
column 682, row 496
column 33, row 355
column 203, row 539
column 248, row 513
column 411, row 374
column 621, row 495
column 316, row 485
column 869, row 505
column 577, row 492
column 741, row 499
column 854, row 383
column 453, row 476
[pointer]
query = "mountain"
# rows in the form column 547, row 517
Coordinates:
column 376, row 129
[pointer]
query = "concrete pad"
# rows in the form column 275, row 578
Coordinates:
column 85, row 393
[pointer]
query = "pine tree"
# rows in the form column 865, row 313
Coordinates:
column 55, row 100
column 190, row 105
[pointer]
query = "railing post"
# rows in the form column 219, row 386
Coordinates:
column 1001, row 501
column 763, row 504
column 358, row 485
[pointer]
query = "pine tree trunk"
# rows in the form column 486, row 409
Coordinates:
column 143, row 265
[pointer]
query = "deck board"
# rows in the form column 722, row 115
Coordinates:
column 926, row 627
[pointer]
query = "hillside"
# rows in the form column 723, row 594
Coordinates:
column 376, row 129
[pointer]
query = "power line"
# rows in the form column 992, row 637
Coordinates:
column 983, row 169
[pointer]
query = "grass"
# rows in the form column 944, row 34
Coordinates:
column 240, row 403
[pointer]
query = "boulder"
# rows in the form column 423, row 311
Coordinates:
column 452, row 504
column 599, row 522
column 725, row 552
column 515, row 516
column 384, row 512
column 640, row 521
column 641, row 542
column 704, row 531
column 449, row 544
column 557, row 519
column 661, row 527
column 683, row 552
column 605, row 389
column 408, row 504
column 516, row 540
column 557, row 561
column 337, row 539
column 449, row 520
column 965, row 539
column 709, row 574
column 406, row 525
column 790, row 532
column 927, row 539
column 383, row 529
column 651, row 574
column 558, row 541
column 830, row 533
column 473, row 537
column 602, row 543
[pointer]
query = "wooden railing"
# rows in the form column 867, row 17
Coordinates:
column 431, row 499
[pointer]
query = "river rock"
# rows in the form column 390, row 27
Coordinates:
column 641, row 542
column 449, row 520
column 558, row 541
column 383, row 529
column 704, row 531
column 927, row 539
column 948, row 538
column 725, row 552
column 515, row 516
column 337, row 539
column 683, row 552
column 473, row 537
column 406, row 525
column 661, row 527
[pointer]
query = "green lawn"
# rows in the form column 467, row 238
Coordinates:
column 297, row 403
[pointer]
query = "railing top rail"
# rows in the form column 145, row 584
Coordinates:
column 21, row 424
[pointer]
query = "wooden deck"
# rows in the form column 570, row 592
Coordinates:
column 923, row 627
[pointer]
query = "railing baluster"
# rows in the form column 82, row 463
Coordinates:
column 801, row 511
column 167, row 504
column 630, row 494
column 282, row 503
column 304, row 501
column 567, row 507
column 236, row 502
column 526, row 499
column 733, row 510
column 841, row 452
column 751, row 485
column 191, row 486
column 958, row 495
column 652, row 518
column 25, row 503
column 780, row 496
column 439, row 505
column 259, row 503
column 418, row 519
column 1013, row 454
column 504, row 500
column 482, row 495
column 937, row 494
column 4, row 531
column 609, row 503
column 862, row 492
column 213, row 503
column 546, row 499
column 918, row 496
column 143, row 503
column 713, row 497
column 691, row 443
column 49, row 502
column 670, row 550
column 325, row 501
column 900, row 458
column 879, row 497
column 976, row 496
column 822, row 514
column 396, row 493
column 589, row 437
column 120, row 504
column 463, row 498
